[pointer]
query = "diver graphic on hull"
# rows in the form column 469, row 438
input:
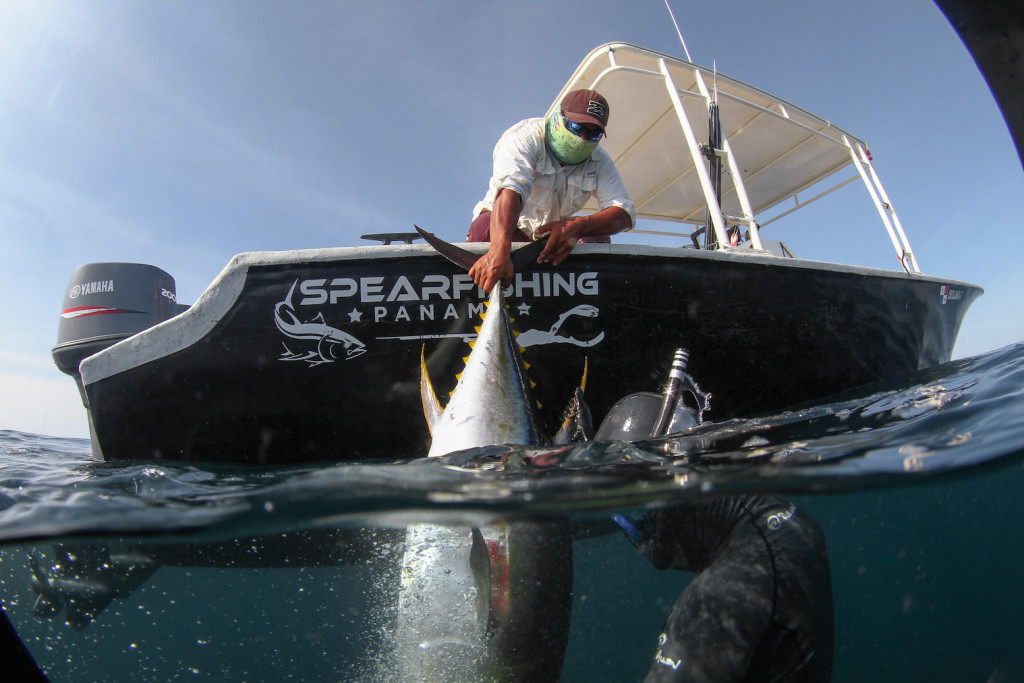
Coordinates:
column 535, row 337
column 327, row 338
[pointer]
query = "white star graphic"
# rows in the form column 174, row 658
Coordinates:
column 355, row 316
column 524, row 308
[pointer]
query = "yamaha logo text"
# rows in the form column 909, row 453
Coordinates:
column 100, row 287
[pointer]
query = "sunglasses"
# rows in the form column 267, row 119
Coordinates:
column 581, row 131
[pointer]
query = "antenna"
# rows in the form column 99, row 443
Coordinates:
column 714, row 67
column 678, row 32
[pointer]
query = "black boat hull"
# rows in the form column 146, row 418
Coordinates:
column 314, row 356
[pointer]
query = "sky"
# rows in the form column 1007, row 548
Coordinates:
column 182, row 133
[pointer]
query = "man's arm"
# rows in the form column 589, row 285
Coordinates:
column 565, row 234
column 496, row 264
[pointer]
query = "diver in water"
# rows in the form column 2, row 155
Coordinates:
column 760, row 606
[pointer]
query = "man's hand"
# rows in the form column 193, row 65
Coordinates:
column 565, row 234
column 496, row 264
column 493, row 267
column 563, row 237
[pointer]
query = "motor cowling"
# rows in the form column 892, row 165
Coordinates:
column 107, row 302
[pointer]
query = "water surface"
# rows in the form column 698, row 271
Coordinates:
column 916, row 483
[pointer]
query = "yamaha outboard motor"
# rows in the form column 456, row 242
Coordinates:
column 105, row 303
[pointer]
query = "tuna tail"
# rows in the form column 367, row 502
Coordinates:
column 521, row 257
column 492, row 402
column 503, row 358
column 528, row 588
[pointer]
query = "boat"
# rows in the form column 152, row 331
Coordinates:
column 314, row 355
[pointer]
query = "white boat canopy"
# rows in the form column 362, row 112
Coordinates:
column 770, row 150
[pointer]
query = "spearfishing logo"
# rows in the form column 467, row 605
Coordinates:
column 947, row 293
column 326, row 338
column 431, row 305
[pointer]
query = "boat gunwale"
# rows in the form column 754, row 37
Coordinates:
column 739, row 255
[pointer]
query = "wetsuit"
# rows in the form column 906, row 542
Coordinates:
column 760, row 607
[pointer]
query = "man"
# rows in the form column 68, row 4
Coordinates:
column 545, row 170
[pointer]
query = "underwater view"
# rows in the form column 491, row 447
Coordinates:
column 151, row 571
column 241, row 515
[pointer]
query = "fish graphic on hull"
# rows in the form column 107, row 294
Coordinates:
column 326, row 338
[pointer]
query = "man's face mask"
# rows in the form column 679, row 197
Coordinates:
column 568, row 147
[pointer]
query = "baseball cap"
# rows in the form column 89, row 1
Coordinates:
column 586, row 106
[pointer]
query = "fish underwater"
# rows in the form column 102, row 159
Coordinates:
column 488, row 603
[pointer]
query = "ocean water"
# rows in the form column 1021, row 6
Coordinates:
column 167, row 571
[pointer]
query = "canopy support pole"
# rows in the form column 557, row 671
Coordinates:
column 734, row 171
column 899, row 240
column 714, row 208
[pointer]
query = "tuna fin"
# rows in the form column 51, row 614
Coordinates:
column 576, row 423
column 463, row 258
column 457, row 255
column 431, row 405
column 526, row 256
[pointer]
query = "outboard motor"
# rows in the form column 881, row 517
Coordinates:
column 107, row 302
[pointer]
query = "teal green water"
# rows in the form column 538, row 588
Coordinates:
column 926, row 583
column 917, row 485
